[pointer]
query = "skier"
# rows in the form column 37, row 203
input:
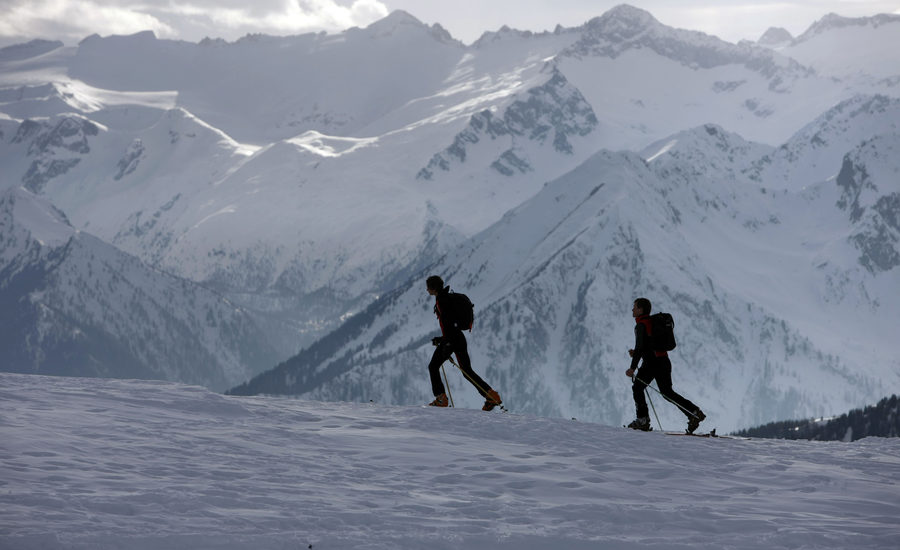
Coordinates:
column 656, row 365
column 452, row 341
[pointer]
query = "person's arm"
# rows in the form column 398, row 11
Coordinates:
column 640, row 337
column 439, row 310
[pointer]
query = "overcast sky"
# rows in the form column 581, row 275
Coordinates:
column 192, row 20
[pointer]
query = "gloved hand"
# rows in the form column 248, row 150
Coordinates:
column 437, row 340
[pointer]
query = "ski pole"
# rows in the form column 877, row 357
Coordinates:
column 652, row 406
column 476, row 384
column 447, row 384
column 666, row 398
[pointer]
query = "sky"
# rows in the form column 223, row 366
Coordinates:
column 193, row 20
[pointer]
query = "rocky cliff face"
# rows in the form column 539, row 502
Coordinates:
column 546, row 115
column 870, row 196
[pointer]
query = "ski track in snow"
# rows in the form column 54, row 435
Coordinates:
column 107, row 464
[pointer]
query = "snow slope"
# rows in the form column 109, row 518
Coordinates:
column 287, row 85
column 851, row 48
column 89, row 464
column 816, row 151
column 76, row 305
column 770, row 289
column 323, row 216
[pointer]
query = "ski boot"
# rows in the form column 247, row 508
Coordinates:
column 492, row 399
column 642, row 424
column 440, row 401
column 694, row 420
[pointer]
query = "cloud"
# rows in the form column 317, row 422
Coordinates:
column 72, row 20
column 274, row 17
column 59, row 19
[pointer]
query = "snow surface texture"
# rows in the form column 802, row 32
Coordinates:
column 102, row 464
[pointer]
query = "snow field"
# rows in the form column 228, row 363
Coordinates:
column 89, row 463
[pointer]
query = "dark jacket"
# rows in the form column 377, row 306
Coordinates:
column 442, row 309
column 643, row 349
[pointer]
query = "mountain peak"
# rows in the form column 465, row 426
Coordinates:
column 36, row 215
column 834, row 21
column 394, row 20
column 775, row 36
column 29, row 49
column 703, row 150
column 625, row 28
column 400, row 19
column 144, row 36
column 828, row 22
column 622, row 17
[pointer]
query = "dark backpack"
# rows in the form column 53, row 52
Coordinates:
column 461, row 310
column 662, row 336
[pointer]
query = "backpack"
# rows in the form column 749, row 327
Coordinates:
column 662, row 335
column 462, row 310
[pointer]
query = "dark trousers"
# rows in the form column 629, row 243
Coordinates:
column 454, row 342
column 660, row 368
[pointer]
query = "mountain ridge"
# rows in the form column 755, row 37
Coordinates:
column 250, row 169
column 543, row 329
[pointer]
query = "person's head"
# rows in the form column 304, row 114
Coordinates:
column 641, row 307
column 435, row 284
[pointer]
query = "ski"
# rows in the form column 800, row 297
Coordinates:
column 501, row 408
column 708, row 434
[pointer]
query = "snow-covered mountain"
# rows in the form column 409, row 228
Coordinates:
column 75, row 305
column 814, row 153
column 29, row 49
column 151, row 465
column 304, row 177
column 646, row 81
column 767, row 289
column 853, row 50
column 286, row 85
column 438, row 143
column 869, row 181
column 307, row 228
column 776, row 38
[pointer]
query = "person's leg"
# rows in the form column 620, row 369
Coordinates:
column 461, row 349
column 664, row 381
column 441, row 354
column 642, row 378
